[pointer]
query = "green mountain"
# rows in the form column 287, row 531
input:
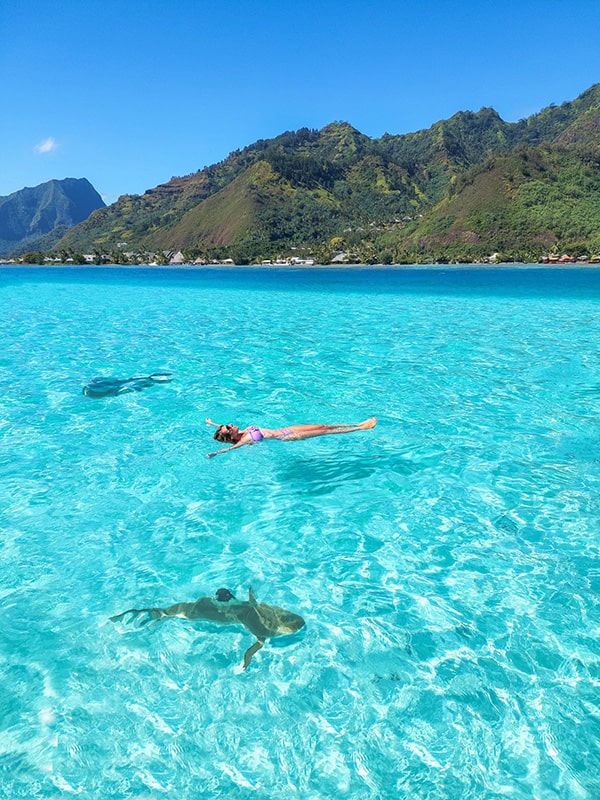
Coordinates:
column 526, row 202
column 39, row 216
column 522, row 205
column 462, row 189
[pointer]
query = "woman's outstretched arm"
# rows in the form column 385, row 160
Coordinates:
column 226, row 449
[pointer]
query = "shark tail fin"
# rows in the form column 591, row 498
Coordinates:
column 140, row 617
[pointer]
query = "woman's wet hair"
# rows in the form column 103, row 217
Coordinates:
column 222, row 434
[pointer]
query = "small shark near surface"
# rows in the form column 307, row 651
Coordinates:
column 106, row 387
column 262, row 620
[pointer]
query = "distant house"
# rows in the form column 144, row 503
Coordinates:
column 553, row 258
column 303, row 262
column 177, row 258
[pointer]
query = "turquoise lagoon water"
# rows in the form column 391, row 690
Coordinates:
column 447, row 562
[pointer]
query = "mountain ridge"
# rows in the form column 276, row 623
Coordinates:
column 336, row 190
column 44, row 212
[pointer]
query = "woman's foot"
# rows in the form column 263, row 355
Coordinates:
column 368, row 424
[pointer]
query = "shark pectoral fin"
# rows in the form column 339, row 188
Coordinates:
column 252, row 596
column 251, row 650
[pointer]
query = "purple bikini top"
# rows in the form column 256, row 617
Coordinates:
column 255, row 433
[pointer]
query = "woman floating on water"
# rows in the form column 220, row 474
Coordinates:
column 252, row 435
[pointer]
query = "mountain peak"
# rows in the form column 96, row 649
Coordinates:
column 303, row 189
column 35, row 212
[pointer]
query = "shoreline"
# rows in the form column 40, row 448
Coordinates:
column 570, row 266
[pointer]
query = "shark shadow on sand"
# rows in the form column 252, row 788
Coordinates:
column 107, row 387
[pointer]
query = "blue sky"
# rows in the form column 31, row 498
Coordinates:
column 129, row 93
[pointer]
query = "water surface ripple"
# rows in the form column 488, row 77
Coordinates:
column 447, row 563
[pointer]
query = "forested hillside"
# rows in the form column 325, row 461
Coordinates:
column 462, row 189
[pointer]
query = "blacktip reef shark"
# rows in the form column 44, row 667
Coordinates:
column 105, row 387
column 262, row 620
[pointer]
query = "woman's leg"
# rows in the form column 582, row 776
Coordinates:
column 310, row 431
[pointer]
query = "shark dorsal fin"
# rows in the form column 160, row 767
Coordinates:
column 252, row 596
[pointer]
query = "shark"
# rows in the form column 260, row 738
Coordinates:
column 262, row 620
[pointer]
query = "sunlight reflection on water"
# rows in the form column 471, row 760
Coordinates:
column 446, row 563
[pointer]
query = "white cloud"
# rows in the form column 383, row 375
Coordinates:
column 46, row 146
